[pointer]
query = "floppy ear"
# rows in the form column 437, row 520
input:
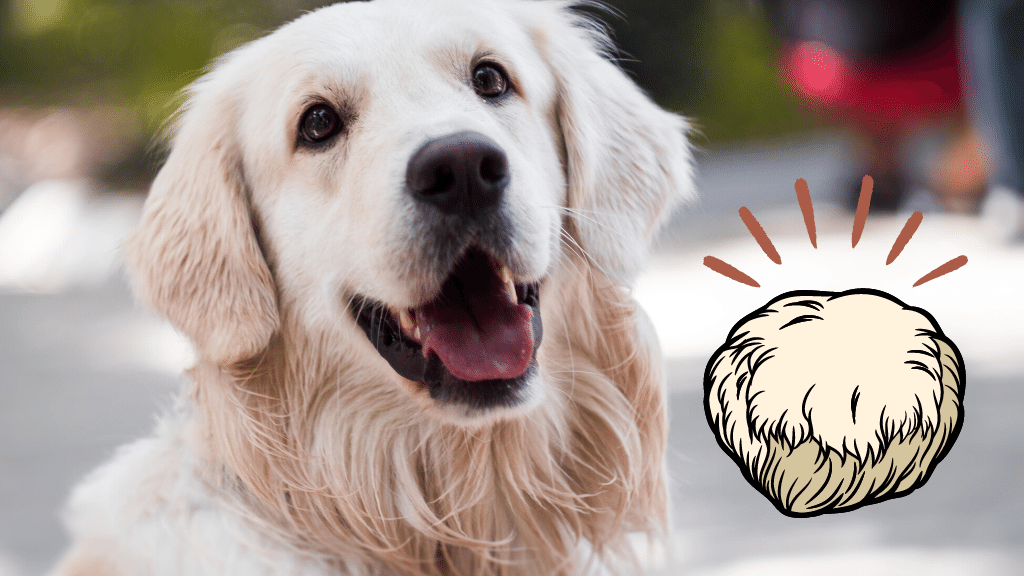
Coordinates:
column 628, row 160
column 195, row 255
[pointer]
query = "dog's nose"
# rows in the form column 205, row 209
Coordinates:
column 464, row 174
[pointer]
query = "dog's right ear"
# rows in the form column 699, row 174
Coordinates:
column 195, row 256
column 627, row 161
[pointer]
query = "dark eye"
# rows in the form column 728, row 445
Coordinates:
column 319, row 122
column 490, row 80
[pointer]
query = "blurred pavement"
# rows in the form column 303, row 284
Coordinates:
column 83, row 370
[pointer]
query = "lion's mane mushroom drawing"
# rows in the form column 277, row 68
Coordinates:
column 831, row 401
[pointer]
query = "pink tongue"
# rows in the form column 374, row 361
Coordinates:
column 475, row 328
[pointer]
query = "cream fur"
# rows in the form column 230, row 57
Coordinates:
column 297, row 449
column 830, row 401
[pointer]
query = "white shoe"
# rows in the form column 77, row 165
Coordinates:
column 1002, row 214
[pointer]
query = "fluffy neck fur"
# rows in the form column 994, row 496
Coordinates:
column 340, row 463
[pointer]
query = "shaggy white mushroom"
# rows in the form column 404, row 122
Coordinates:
column 831, row 401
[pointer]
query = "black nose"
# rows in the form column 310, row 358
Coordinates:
column 464, row 174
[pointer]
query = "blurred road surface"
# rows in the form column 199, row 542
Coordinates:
column 83, row 370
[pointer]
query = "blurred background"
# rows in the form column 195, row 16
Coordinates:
column 919, row 94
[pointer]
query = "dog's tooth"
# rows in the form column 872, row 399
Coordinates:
column 510, row 289
column 508, row 280
column 406, row 319
column 416, row 333
column 505, row 274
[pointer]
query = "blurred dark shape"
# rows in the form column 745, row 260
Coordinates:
column 865, row 29
column 658, row 41
column 710, row 60
column 882, row 69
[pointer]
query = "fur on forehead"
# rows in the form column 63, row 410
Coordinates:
column 334, row 54
column 339, row 49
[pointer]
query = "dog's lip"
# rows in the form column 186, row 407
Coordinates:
column 393, row 332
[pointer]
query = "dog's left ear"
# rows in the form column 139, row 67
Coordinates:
column 628, row 160
column 195, row 255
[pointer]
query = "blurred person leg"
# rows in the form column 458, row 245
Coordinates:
column 960, row 176
column 994, row 33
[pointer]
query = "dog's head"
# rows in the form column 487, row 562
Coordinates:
column 405, row 182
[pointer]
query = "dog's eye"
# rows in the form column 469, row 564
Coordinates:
column 490, row 80
column 319, row 122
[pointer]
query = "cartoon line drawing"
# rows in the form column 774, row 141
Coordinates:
column 829, row 401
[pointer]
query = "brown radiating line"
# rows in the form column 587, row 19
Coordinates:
column 758, row 233
column 729, row 272
column 866, row 186
column 905, row 235
column 803, row 197
column 942, row 270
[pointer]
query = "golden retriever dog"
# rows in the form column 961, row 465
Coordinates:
column 401, row 236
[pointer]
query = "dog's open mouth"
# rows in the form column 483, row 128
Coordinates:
column 474, row 343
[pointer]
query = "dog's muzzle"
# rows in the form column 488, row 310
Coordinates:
column 475, row 342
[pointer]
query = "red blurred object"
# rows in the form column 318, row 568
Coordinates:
column 889, row 93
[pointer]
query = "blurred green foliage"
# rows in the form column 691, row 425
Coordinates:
column 744, row 96
column 710, row 59
column 131, row 52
